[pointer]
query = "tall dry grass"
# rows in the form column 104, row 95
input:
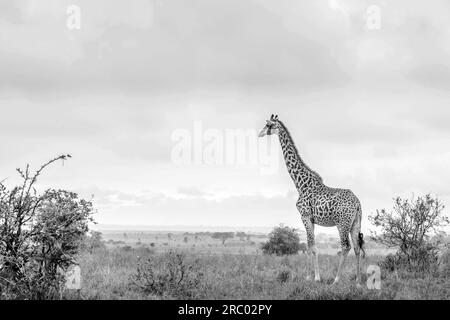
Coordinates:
column 107, row 274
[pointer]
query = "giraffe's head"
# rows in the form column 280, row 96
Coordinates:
column 271, row 127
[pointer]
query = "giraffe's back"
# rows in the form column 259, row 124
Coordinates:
column 334, row 206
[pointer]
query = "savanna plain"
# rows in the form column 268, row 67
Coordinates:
column 182, row 265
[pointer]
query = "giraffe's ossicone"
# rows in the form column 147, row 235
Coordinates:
column 319, row 204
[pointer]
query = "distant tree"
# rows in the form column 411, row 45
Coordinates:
column 125, row 235
column 185, row 240
column 169, row 236
column 282, row 241
column 196, row 238
column 222, row 236
column 409, row 228
column 241, row 235
column 249, row 237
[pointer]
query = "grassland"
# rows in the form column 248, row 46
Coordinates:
column 239, row 271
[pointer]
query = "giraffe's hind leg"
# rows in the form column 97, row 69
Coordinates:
column 345, row 248
column 356, row 235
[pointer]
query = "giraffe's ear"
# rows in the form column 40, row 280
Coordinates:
column 271, row 117
column 276, row 117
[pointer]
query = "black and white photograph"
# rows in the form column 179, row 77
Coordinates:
column 224, row 150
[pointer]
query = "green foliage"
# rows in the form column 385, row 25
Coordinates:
column 410, row 224
column 40, row 235
column 422, row 260
column 282, row 241
column 409, row 229
column 169, row 277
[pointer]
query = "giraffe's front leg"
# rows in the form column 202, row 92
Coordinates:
column 316, row 264
column 309, row 263
column 313, row 258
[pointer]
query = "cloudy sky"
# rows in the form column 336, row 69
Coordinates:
column 369, row 108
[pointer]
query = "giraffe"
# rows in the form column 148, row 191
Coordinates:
column 319, row 204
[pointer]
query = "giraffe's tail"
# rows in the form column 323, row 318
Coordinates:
column 357, row 226
column 361, row 244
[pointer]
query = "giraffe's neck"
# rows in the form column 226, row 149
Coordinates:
column 304, row 178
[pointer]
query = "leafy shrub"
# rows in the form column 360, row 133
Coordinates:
column 282, row 241
column 409, row 228
column 41, row 234
column 127, row 248
column 284, row 275
column 391, row 262
column 168, row 277
column 419, row 260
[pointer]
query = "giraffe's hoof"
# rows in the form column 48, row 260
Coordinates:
column 317, row 278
